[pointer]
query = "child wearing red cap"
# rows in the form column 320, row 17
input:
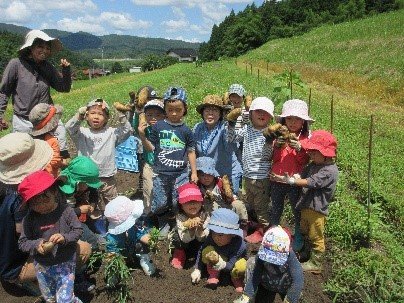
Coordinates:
column 319, row 180
column 50, row 233
column 192, row 220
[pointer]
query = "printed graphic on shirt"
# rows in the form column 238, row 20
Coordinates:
column 169, row 143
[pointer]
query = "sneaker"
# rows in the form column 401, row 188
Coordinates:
column 163, row 232
column 30, row 287
column 84, row 286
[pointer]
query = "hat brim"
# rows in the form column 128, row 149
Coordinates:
column 201, row 107
column 40, row 158
column 212, row 172
column 278, row 118
column 273, row 257
column 69, row 184
column 40, row 187
column 326, row 152
column 116, row 229
column 56, row 45
column 52, row 124
column 225, row 230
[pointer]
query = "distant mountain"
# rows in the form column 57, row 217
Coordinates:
column 110, row 46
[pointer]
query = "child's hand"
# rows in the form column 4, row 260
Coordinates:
column 39, row 248
column 295, row 144
column 142, row 128
column 194, row 177
column 85, row 209
column 233, row 115
column 196, row 276
column 57, row 238
column 82, row 112
column 220, row 264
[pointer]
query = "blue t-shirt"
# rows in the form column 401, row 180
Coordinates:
column 11, row 258
column 171, row 142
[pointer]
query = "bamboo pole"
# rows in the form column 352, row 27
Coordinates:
column 291, row 84
column 369, row 178
column 332, row 114
column 309, row 101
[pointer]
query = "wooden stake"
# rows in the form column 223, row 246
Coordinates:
column 332, row 114
column 291, row 85
column 258, row 76
column 309, row 101
column 369, row 178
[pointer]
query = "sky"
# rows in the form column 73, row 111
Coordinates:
column 188, row 20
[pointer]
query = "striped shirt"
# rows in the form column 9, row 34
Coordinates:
column 256, row 154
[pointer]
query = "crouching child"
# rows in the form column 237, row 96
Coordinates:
column 191, row 229
column 128, row 231
column 223, row 252
column 275, row 270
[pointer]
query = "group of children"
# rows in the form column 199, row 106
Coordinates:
column 183, row 189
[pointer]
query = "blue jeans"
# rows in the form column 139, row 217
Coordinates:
column 165, row 196
column 279, row 191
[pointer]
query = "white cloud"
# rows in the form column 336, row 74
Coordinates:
column 15, row 12
column 175, row 25
column 123, row 22
column 217, row 12
column 87, row 24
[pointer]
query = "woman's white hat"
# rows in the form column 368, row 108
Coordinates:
column 56, row 45
column 264, row 104
column 20, row 155
column 122, row 214
column 296, row 108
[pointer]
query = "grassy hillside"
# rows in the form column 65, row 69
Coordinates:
column 340, row 67
column 364, row 56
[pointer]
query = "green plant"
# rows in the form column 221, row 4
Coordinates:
column 117, row 274
column 154, row 238
column 283, row 85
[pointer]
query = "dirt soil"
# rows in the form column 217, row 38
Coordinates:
column 169, row 284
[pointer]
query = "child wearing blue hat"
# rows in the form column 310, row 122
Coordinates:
column 275, row 270
column 223, row 251
column 173, row 145
column 211, row 186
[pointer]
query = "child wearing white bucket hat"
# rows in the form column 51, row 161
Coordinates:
column 256, row 161
column 275, row 270
column 289, row 158
column 223, row 251
column 128, row 231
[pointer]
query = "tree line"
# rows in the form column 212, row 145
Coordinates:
column 254, row 26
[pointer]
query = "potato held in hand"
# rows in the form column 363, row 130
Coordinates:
column 212, row 257
column 142, row 119
column 233, row 115
column 47, row 247
column 248, row 101
column 228, row 192
column 122, row 107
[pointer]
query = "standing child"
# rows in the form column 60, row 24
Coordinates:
column 319, row 180
column 50, row 234
column 153, row 112
column 192, row 221
column 256, row 162
column 173, row 145
column 212, row 188
column 45, row 119
column 98, row 142
column 275, row 269
column 223, row 251
column 289, row 158
column 128, row 231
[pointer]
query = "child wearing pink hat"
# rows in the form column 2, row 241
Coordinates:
column 50, row 233
column 192, row 221
column 274, row 270
column 318, row 181
column 289, row 158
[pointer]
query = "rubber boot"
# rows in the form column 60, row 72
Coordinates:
column 213, row 279
column 146, row 264
column 314, row 265
column 179, row 257
column 256, row 236
column 238, row 284
column 298, row 240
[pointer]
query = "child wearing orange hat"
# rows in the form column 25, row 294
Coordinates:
column 319, row 180
column 192, row 222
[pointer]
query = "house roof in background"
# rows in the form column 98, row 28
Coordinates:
column 184, row 52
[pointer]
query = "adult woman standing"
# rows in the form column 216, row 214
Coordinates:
column 211, row 140
column 29, row 78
